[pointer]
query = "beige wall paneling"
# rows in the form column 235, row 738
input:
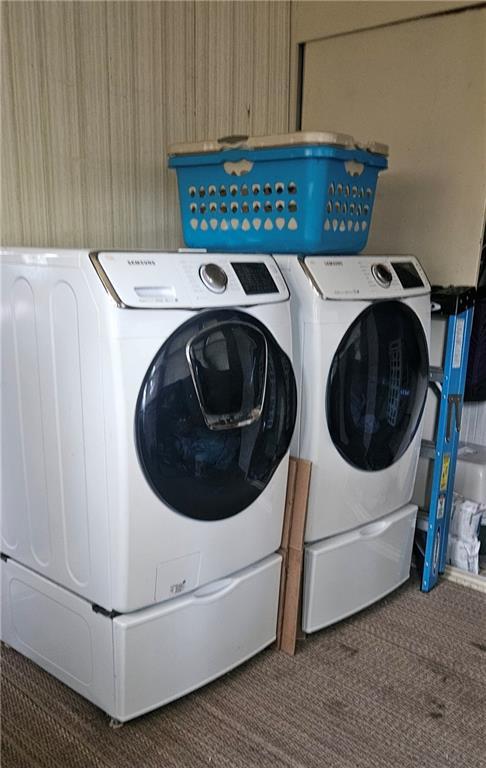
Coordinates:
column 295, row 78
column 94, row 92
column 151, row 96
column 242, row 68
column 87, row 187
column 420, row 87
column 24, row 133
column 313, row 20
column 271, row 67
column 57, row 125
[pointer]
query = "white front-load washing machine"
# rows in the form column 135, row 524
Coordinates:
column 148, row 404
column 361, row 327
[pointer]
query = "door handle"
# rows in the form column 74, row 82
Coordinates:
column 218, row 421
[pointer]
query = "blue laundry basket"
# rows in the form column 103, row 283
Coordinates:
column 307, row 194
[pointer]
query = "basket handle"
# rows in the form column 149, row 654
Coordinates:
column 241, row 167
column 233, row 140
column 238, row 169
column 353, row 168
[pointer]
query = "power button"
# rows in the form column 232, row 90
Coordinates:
column 382, row 275
column 213, row 277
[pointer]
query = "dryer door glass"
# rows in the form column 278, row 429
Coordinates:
column 377, row 386
column 215, row 414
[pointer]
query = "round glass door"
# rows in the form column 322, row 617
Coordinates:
column 377, row 386
column 215, row 414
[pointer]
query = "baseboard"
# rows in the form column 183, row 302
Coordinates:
column 465, row 579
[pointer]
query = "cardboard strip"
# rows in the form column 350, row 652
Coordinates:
column 292, row 550
column 289, row 501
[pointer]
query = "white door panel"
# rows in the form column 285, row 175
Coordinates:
column 420, row 87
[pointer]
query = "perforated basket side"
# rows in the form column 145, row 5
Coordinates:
column 311, row 203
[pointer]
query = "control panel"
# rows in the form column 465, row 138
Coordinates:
column 189, row 279
column 365, row 277
column 255, row 278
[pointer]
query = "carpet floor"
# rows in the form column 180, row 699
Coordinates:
column 400, row 684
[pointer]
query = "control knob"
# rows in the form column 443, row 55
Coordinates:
column 214, row 277
column 382, row 275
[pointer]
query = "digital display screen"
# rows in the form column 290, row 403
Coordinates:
column 407, row 274
column 254, row 277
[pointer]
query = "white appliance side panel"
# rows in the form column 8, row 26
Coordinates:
column 438, row 334
column 58, row 631
column 68, row 397
column 294, row 277
column 164, row 652
column 54, row 506
column 423, row 483
column 25, row 515
column 348, row 572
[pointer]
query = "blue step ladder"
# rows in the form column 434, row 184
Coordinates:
column 457, row 305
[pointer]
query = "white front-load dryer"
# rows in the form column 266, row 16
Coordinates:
column 361, row 327
column 148, row 406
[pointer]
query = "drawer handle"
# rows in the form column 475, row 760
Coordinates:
column 215, row 590
column 374, row 529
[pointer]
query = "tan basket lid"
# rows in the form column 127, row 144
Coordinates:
column 374, row 146
column 328, row 138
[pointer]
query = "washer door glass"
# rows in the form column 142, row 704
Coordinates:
column 377, row 386
column 215, row 414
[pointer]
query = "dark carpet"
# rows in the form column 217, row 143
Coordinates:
column 401, row 684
